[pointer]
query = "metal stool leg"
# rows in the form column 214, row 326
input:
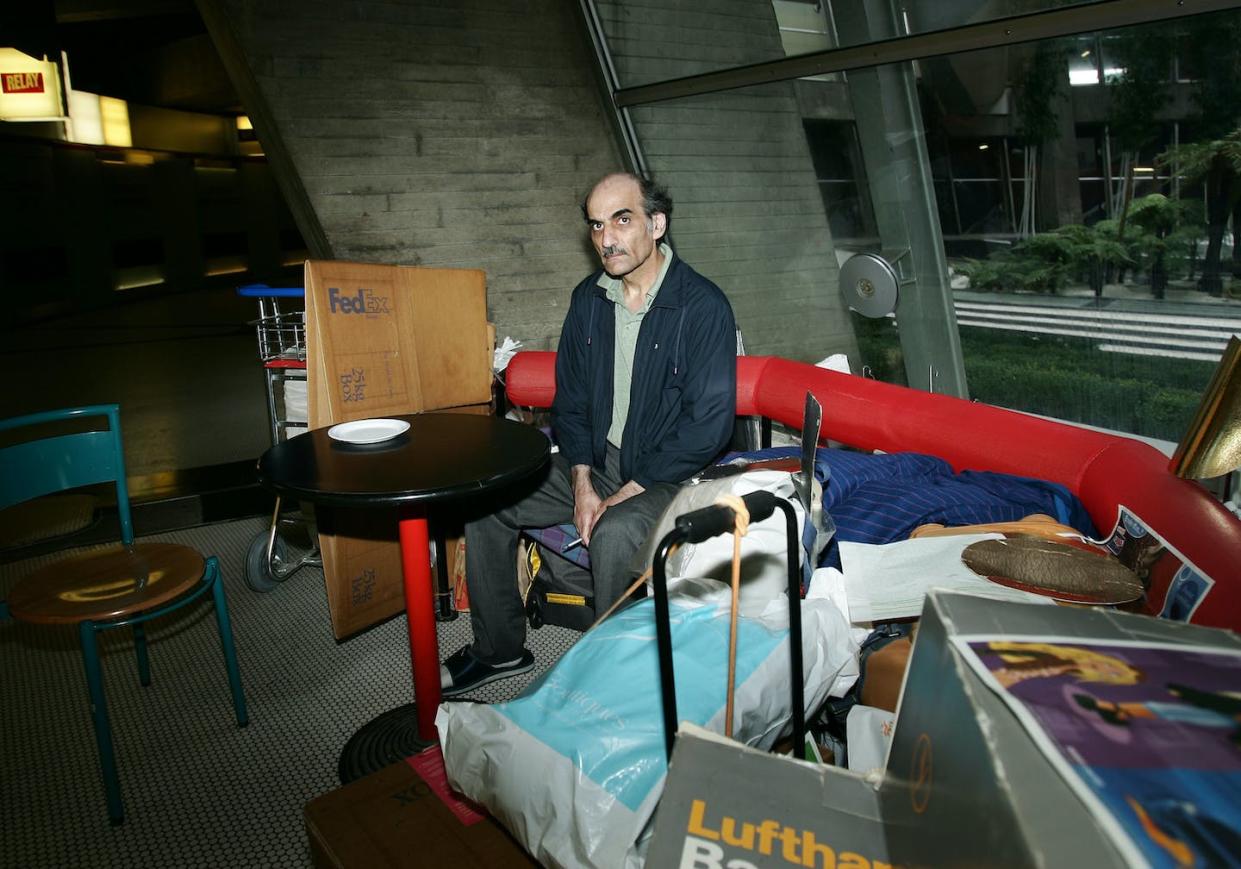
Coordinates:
column 99, row 716
column 226, row 640
column 140, row 648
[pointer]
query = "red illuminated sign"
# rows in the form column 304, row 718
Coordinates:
column 21, row 82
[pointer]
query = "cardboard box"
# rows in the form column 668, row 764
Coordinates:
column 405, row 816
column 394, row 339
column 968, row 783
column 885, row 674
column 382, row 341
column 362, row 559
column 728, row 805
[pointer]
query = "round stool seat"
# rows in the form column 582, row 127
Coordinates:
column 106, row 585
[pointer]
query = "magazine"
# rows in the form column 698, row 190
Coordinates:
column 1175, row 588
column 1147, row 734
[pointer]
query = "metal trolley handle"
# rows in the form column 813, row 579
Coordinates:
column 700, row 525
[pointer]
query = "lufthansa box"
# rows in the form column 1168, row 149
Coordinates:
column 1027, row 735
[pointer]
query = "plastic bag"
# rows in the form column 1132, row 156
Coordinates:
column 575, row 766
column 764, row 558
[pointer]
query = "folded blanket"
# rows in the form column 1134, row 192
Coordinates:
column 883, row 498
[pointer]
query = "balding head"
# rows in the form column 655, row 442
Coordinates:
column 654, row 197
column 624, row 229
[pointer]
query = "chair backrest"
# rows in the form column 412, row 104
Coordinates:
column 747, row 431
column 38, row 467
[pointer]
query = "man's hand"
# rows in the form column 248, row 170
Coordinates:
column 587, row 504
column 588, row 507
column 624, row 493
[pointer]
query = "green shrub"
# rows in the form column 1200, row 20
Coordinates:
column 1059, row 376
column 1068, row 379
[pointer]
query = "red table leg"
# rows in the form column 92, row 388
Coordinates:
column 420, row 610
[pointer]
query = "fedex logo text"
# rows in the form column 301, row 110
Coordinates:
column 364, row 302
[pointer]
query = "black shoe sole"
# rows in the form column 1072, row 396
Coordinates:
column 448, row 693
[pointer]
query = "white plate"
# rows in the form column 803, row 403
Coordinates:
column 368, row 431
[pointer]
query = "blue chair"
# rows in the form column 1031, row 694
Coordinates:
column 125, row 586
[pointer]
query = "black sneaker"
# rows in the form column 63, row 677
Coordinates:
column 462, row 672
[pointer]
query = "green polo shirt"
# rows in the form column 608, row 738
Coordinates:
column 627, row 326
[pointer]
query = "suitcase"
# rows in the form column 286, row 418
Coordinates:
column 559, row 591
column 700, row 525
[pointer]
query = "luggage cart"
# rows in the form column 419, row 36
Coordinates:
column 282, row 350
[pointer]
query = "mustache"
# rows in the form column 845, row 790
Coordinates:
column 612, row 249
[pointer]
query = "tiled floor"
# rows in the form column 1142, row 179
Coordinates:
column 199, row 791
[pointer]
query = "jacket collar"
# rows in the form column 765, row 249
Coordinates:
column 670, row 291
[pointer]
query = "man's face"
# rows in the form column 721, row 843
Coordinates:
column 622, row 233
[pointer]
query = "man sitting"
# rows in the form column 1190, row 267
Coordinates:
column 646, row 378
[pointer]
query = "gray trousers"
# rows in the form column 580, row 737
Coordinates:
column 496, row 612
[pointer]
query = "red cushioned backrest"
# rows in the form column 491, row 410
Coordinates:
column 749, row 370
column 872, row 415
column 530, row 379
column 1184, row 514
column 1103, row 470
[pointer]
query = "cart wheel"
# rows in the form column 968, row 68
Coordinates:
column 534, row 610
column 259, row 574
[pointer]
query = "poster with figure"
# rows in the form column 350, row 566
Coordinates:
column 1173, row 587
column 1148, row 735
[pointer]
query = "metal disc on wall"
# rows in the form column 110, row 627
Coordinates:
column 869, row 284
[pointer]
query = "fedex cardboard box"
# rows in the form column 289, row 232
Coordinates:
column 385, row 340
column 394, row 339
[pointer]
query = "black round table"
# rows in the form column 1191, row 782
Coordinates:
column 441, row 456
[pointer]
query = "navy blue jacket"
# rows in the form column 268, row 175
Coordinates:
column 683, row 399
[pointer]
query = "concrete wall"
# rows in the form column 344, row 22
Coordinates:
column 457, row 134
column 464, row 134
column 748, row 212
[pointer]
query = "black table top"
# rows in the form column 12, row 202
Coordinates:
column 443, row 455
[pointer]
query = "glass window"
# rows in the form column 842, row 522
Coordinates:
column 804, row 27
column 651, row 42
column 929, row 17
column 654, row 43
column 1062, row 186
column 841, row 174
column 1111, row 305
column 915, row 18
column 1084, row 61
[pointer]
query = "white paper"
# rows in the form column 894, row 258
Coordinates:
column 869, row 735
column 504, row 354
column 891, row 581
column 829, row 583
column 835, row 362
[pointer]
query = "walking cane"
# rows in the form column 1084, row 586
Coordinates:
column 703, row 524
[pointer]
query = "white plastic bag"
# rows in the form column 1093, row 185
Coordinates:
column 764, row 553
column 575, row 767
column 868, row 733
